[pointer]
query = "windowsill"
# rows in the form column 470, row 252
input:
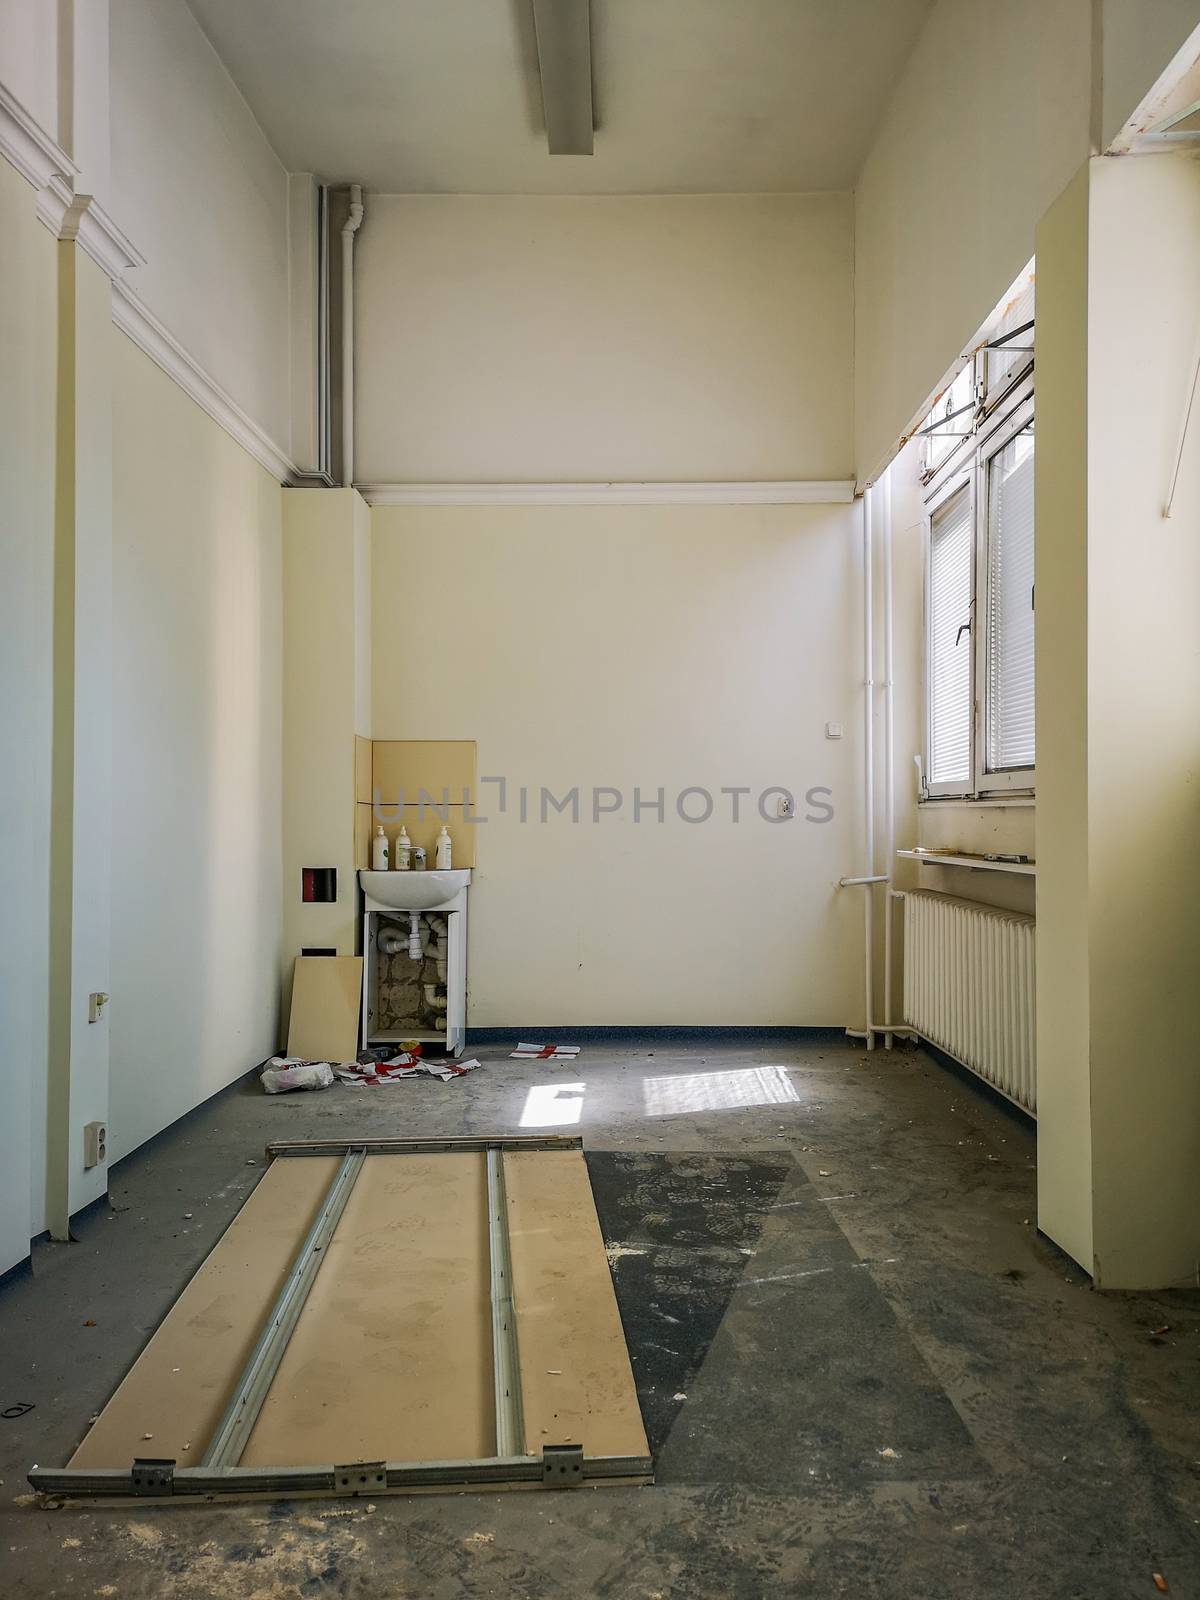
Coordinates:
column 970, row 803
column 970, row 863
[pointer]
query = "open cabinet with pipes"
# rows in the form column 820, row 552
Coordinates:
column 414, row 972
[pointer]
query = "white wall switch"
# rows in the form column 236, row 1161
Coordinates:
column 96, row 1005
column 833, row 730
column 95, row 1144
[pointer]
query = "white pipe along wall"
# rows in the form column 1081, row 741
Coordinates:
column 869, row 880
column 889, row 757
column 349, row 228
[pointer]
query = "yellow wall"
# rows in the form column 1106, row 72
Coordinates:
column 1143, row 728
column 327, row 701
column 664, row 646
column 197, row 714
column 27, row 424
column 1064, row 1088
column 1118, row 647
column 540, row 338
column 988, row 121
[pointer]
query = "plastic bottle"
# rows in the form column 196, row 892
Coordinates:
column 379, row 851
column 403, row 850
column 418, row 858
column 442, row 855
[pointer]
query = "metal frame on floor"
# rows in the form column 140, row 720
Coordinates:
column 560, row 1466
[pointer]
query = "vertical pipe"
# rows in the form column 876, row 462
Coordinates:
column 869, row 762
column 889, row 764
column 349, row 229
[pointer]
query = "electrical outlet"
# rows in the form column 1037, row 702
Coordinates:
column 95, row 1144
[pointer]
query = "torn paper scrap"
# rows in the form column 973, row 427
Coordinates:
column 544, row 1052
column 405, row 1065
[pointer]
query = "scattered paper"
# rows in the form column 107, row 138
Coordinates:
column 544, row 1052
column 405, row 1065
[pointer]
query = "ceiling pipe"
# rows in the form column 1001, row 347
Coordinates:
column 349, row 228
column 564, row 47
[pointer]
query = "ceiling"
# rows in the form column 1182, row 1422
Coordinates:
column 691, row 96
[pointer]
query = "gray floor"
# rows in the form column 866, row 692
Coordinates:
column 900, row 1388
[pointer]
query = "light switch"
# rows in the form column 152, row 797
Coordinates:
column 833, row 730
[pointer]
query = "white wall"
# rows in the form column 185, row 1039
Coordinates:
column 27, row 420
column 523, row 338
column 665, row 646
column 199, row 190
column 989, row 119
column 197, row 728
column 29, row 58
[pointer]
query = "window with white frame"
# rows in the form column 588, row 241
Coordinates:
column 977, row 468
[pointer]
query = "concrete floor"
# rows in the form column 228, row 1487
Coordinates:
column 893, row 1385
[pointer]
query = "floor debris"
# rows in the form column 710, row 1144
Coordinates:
column 544, row 1052
column 282, row 1074
column 370, row 1069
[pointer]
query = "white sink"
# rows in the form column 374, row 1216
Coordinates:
column 414, row 891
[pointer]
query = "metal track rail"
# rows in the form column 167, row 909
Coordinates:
column 359, row 1478
column 373, row 1147
column 510, row 1430
column 254, row 1382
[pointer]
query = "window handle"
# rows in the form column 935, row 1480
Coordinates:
column 964, row 628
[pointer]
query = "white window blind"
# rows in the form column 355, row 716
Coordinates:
column 1009, row 644
column 951, row 547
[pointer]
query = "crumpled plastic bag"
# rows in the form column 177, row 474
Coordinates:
column 282, row 1073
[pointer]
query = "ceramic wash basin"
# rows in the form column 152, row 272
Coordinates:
column 414, row 891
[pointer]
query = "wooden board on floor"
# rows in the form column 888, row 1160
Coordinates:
column 177, row 1389
column 391, row 1359
column 576, row 1382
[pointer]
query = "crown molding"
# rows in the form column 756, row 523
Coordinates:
column 80, row 219
column 28, row 147
column 837, row 491
column 138, row 322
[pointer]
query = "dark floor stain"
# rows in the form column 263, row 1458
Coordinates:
column 708, row 1298
column 687, row 1221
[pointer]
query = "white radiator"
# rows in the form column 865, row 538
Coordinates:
column 968, row 988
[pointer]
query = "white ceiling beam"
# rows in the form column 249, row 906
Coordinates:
column 564, row 43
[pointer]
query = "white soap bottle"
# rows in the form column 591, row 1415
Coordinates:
column 443, row 852
column 403, row 850
column 379, row 851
